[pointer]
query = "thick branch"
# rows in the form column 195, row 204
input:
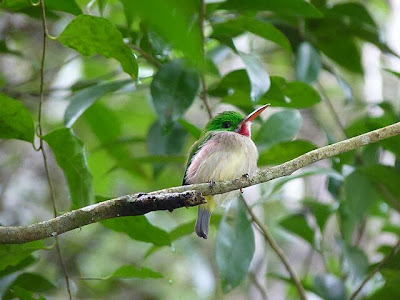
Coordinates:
column 131, row 205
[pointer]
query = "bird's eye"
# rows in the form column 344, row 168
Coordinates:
column 226, row 124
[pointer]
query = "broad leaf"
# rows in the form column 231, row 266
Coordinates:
column 15, row 120
column 279, row 127
column 68, row 6
column 356, row 12
column 140, row 229
column 161, row 142
column 356, row 260
column 259, row 78
column 234, row 248
column 299, row 8
column 13, row 255
column 359, row 196
column 190, row 128
column 86, row 97
column 329, row 287
column 30, row 282
column 29, row 260
column 284, row 151
column 263, row 29
column 387, row 181
column 91, row 35
column 294, row 94
column 321, row 211
column 174, row 20
column 132, row 272
column 70, row 156
column 235, row 88
column 308, row 63
column 298, row 225
column 173, row 90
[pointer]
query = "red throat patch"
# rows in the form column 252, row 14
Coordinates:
column 245, row 129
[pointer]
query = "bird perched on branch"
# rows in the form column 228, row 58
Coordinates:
column 224, row 151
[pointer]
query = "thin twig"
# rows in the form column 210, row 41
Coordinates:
column 376, row 270
column 41, row 147
column 332, row 109
column 147, row 56
column 258, row 285
column 204, row 95
column 270, row 240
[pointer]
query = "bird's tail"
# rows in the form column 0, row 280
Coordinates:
column 203, row 217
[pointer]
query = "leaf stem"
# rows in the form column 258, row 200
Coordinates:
column 41, row 147
column 204, row 94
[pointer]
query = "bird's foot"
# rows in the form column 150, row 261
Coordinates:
column 246, row 176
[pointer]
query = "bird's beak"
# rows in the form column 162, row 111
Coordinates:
column 255, row 113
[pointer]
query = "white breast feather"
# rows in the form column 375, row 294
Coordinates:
column 227, row 155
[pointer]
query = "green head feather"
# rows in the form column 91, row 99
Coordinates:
column 226, row 121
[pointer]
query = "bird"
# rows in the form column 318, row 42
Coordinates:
column 224, row 151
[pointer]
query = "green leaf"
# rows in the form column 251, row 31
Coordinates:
column 298, row 225
column 163, row 142
column 259, row 78
column 30, row 282
column 193, row 130
column 15, row 120
column 173, row 90
column 397, row 74
column 285, row 151
column 5, row 50
column 359, row 196
column 387, row 181
column 263, row 29
column 174, row 20
column 234, row 248
column 70, row 156
column 183, row 230
column 279, row 127
column 298, row 8
column 343, row 50
column 329, row 287
column 356, row 260
column 391, row 288
column 235, row 88
column 91, row 35
column 129, row 271
column 68, row 6
column 13, row 255
column 140, row 229
column 356, row 12
column 29, row 260
column 321, row 211
column 308, row 63
column 83, row 99
column 294, row 94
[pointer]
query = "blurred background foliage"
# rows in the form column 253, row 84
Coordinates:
column 124, row 100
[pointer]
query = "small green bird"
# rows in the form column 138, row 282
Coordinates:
column 224, row 151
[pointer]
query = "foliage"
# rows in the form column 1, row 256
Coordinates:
column 124, row 100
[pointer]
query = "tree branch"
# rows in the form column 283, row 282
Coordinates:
column 129, row 205
column 171, row 198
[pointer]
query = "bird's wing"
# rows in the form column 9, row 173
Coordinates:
column 193, row 150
